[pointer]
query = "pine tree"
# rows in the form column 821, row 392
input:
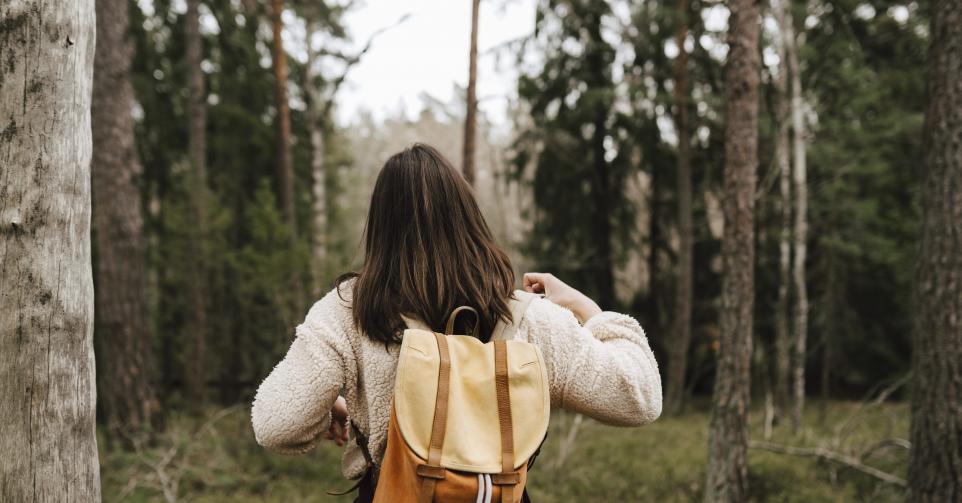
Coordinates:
column 47, row 385
column 285, row 162
column 678, row 354
column 936, row 458
column 727, row 478
column 126, row 380
column 570, row 102
column 470, row 116
column 195, row 357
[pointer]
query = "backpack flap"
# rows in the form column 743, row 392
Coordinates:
column 472, row 440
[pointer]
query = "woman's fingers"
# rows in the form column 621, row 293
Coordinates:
column 534, row 282
column 337, row 431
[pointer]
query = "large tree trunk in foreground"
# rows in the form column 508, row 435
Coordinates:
column 783, row 338
column 800, row 237
column 316, row 111
column 727, row 477
column 470, row 116
column 126, row 377
column 935, row 468
column 47, row 386
column 678, row 352
column 195, row 330
column 285, row 164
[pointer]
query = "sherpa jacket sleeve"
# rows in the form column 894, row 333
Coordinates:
column 604, row 369
column 292, row 407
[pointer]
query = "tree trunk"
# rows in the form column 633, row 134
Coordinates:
column 47, row 383
column 602, row 262
column 727, row 477
column 195, row 357
column 935, row 468
column 801, row 223
column 678, row 353
column 470, row 116
column 783, row 338
column 653, row 300
column 315, row 124
column 285, row 164
column 126, row 378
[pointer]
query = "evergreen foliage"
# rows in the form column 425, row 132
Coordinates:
column 592, row 125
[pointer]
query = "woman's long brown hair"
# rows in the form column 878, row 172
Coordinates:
column 427, row 250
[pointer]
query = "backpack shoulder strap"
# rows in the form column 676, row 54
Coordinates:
column 518, row 303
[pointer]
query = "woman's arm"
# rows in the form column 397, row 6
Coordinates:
column 603, row 368
column 292, row 407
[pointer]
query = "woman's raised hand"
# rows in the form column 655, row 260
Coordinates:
column 560, row 293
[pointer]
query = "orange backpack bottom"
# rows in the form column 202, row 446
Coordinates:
column 398, row 481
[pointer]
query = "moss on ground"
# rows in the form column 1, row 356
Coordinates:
column 663, row 462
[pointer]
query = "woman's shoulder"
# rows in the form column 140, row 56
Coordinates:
column 333, row 310
column 544, row 314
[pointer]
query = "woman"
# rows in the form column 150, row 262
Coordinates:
column 427, row 251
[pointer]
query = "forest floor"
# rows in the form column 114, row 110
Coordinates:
column 216, row 459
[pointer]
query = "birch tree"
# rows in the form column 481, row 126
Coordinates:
column 783, row 334
column 320, row 104
column 800, row 226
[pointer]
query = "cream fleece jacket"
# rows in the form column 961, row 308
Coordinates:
column 604, row 369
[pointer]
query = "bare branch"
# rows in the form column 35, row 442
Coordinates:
column 353, row 60
column 567, row 443
column 845, row 428
column 829, row 455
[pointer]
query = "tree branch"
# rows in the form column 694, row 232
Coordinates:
column 828, row 455
column 350, row 60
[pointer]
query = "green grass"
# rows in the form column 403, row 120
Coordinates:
column 219, row 461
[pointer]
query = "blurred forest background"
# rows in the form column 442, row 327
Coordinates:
column 261, row 264
column 227, row 197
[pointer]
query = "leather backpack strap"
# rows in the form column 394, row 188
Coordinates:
column 432, row 471
column 508, row 478
column 449, row 328
column 519, row 304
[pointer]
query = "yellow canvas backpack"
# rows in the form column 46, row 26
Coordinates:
column 467, row 417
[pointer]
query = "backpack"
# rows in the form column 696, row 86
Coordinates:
column 467, row 419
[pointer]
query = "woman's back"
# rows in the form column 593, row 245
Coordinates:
column 605, row 370
column 427, row 251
